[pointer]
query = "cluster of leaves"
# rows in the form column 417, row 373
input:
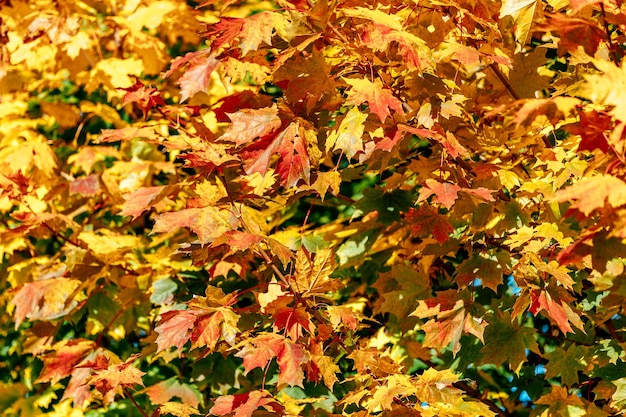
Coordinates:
column 312, row 208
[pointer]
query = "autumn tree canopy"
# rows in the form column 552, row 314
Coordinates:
column 312, row 207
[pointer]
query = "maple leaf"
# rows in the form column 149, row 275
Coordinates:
column 127, row 133
column 293, row 320
column 349, row 136
column 274, row 292
column 452, row 320
column 326, row 181
column 224, row 32
column 292, row 146
column 437, row 386
column 257, row 28
column 87, row 186
column 574, row 32
column 370, row 361
column 557, row 309
column 592, row 129
column 441, row 332
column 209, row 156
column 208, row 328
column 238, row 241
column 44, row 300
column 250, row 31
column 414, row 51
column 567, row 363
column 177, row 409
column 290, row 361
column 490, row 269
column 507, row 342
column 379, row 99
column 243, row 405
column 445, row 193
column 174, row 329
column 208, row 223
column 327, row 368
column 260, row 350
column 449, row 142
column 249, row 124
column 143, row 199
column 561, row 403
column 290, row 357
column 65, row 355
column 306, row 80
column 200, row 65
column 313, row 272
column 427, row 220
column 522, row 12
column 340, row 315
column 164, row 391
column 385, row 395
column 592, row 193
column 115, row 378
column 145, row 97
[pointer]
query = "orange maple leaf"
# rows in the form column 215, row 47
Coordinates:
column 244, row 405
column 379, row 99
column 249, row 124
column 116, row 378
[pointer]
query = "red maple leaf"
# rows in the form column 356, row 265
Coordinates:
column 574, row 32
column 244, row 405
column 593, row 128
column 426, row 220
column 65, row 355
column 557, row 308
column 290, row 357
column 224, row 32
column 291, row 145
column 145, row 97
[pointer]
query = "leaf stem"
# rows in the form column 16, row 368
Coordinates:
column 504, row 81
column 132, row 399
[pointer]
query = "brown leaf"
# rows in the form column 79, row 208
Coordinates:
column 427, row 220
column 208, row 223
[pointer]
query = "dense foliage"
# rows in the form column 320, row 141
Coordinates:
column 395, row 207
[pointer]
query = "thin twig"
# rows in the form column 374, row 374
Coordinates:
column 339, row 34
column 108, row 326
column 261, row 250
column 612, row 45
